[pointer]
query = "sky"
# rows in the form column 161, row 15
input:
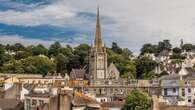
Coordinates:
column 130, row 23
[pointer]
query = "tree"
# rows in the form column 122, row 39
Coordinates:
column 61, row 63
column 82, row 51
column 187, row 47
column 73, row 63
column 54, row 49
column 2, row 53
column 19, row 47
column 177, row 50
column 164, row 45
column 4, row 58
column 13, row 66
column 38, row 65
column 116, row 48
column 125, row 65
column 148, row 48
column 67, row 51
column 137, row 100
column 144, row 66
column 127, row 53
column 21, row 55
column 32, row 65
column 2, row 50
column 39, row 50
column 177, row 57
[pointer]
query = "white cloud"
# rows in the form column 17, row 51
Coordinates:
column 50, row 14
column 12, row 39
column 135, row 21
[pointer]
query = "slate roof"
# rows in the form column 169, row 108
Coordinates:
column 77, row 74
column 29, row 87
column 175, row 76
column 170, row 77
column 38, row 94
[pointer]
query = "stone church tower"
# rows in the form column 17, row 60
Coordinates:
column 98, row 56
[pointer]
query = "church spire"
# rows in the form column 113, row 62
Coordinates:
column 98, row 40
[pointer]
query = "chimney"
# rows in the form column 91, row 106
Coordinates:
column 65, row 96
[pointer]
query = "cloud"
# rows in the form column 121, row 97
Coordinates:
column 19, row 5
column 49, row 14
column 134, row 22
column 12, row 39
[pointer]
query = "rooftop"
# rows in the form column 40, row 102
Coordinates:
column 10, row 104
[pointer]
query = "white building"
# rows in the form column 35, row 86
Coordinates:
column 180, row 92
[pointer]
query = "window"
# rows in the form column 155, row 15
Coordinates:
column 174, row 90
column 103, row 100
column 165, row 91
column 41, row 102
column 34, row 102
column 189, row 90
column 189, row 100
column 183, row 92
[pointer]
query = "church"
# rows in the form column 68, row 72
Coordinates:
column 98, row 68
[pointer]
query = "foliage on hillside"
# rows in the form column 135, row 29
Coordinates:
column 137, row 100
column 38, row 59
column 61, row 59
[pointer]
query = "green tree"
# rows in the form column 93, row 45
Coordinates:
column 67, row 51
column 164, row 45
column 127, row 53
column 38, row 65
column 148, row 48
column 21, row 55
column 144, row 66
column 137, row 100
column 61, row 63
column 19, row 47
column 13, row 66
column 54, row 49
column 39, row 50
column 177, row 56
column 177, row 50
column 4, row 58
column 125, row 65
column 2, row 54
column 116, row 48
column 187, row 47
column 33, row 65
column 2, row 50
column 73, row 63
column 82, row 51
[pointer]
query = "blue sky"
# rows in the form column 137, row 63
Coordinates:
column 130, row 23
